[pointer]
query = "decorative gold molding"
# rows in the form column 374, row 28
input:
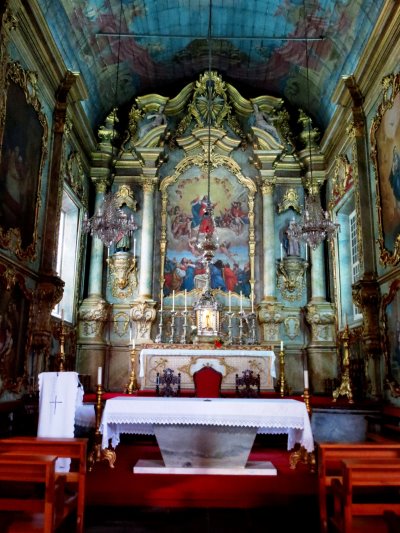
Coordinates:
column 11, row 238
column 290, row 200
column 391, row 88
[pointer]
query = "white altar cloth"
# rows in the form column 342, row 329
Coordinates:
column 228, row 361
column 138, row 415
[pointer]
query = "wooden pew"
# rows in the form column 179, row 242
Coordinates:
column 329, row 460
column 42, row 510
column 367, row 511
column 74, row 448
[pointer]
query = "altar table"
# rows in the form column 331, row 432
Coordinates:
column 195, row 431
column 226, row 360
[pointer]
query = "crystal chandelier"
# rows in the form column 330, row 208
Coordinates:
column 315, row 224
column 207, row 240
column 109, row 223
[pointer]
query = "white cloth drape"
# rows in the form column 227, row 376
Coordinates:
column 59, row 395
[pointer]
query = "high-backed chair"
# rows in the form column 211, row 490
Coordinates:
column 248, row 386
column 207, row 382
column 167, row 384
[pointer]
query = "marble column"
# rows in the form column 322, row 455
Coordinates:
column 318, row 281
column 96, row 256
column 147, row 244
column 269, row 272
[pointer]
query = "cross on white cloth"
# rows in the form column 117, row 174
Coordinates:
column 60, row 393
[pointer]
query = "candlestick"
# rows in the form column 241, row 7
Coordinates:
column 99, row 375
column 306, row 385
column 185, row 299
column 134, row 247
column 173, row 300
column 230, row 300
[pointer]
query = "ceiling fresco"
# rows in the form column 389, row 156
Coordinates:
column 257, row 45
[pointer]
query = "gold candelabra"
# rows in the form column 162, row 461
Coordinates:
column 306, row 396
column 61, row 359
column 98, row 453
column 132, row 384
column 282, row 382
column 345, row 388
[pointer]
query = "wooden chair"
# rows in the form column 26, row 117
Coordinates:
column 42, row 509
column 207, row 382
column 168, row 384
column 75, row 479
column 248, row 386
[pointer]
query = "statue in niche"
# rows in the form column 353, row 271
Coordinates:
column 153, row 120
column 262, row 121
column 290, row 244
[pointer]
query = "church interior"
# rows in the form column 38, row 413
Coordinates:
column 205, row 201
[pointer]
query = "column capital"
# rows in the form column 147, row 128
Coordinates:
column 148, row 185
column 267, row 186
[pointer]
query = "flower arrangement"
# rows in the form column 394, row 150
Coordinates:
column 218, row 343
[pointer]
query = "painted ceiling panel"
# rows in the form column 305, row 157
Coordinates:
column 259, row 44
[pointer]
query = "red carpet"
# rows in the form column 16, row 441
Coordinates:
column 119, row 486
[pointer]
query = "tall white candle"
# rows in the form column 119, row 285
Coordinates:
column 230, row 300
column 306, row 252
column 130, row 332
column 306, row 379
column 161, row 300
column 281, row 346
column 173, row 300
column 133, row 344
column 134, row 247
column 281, row 251
column 241, row 301
column 62, row 315
column 185, row 300
column 252, row 302
column 99, row 375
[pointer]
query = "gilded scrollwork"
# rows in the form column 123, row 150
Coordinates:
column 290, row 199
column 143, row 314
column 123, row 274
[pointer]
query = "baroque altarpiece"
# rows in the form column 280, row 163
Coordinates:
column 251, row 159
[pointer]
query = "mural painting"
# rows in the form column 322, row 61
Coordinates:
column 187, row 198
column 391, row 321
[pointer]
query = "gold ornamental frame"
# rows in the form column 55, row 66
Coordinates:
column 391, row 90
column 21, row 116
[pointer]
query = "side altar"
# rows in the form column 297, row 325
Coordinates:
column 187, row 359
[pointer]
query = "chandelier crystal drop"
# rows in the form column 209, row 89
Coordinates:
column 109, row 223
column 315, row 224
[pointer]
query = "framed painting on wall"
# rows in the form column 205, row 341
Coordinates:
column 23, row 149
column 385, row 144
column 187, row 197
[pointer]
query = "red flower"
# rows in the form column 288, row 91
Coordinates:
column 218, row 343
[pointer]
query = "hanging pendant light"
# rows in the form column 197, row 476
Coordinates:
column 315, row 225
column 110, row 224
column 207, row 240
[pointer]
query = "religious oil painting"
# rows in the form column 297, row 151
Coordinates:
column 13, row 340
column 187, row 201
column 391, row 320
column 23, row 135
column 385, row 141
